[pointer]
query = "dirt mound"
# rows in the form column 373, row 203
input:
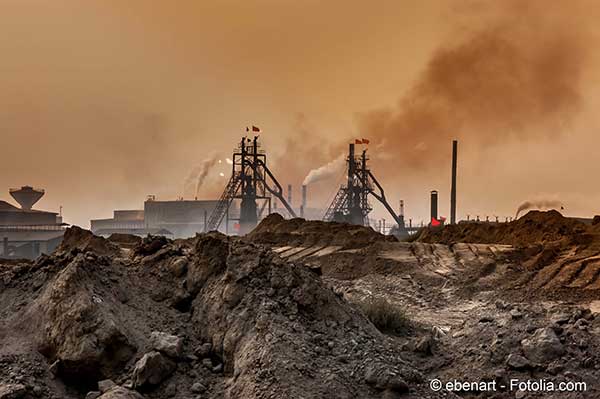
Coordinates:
column 212, row 315
column 124, row 240
column 78, row 239
column 275, row 230
column 536, row 227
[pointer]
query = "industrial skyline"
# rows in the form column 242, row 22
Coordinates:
column 103, row 104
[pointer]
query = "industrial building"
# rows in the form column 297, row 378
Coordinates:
column 26, row 233
column 173, row 219
column 125, row 222
column 184, row 218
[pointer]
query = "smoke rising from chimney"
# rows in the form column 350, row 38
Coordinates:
column 331, row 169
column 197, row 176
column 538, row 204
column 516, row 77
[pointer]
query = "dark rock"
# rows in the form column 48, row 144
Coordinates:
column 543, row 347
column 198, row 388
column 170, row 345
column 517, row 362
column 178, row 266
column 152, row 369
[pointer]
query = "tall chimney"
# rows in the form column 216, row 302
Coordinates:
column 304, row 195
column 401, row 208
column 434, row 204
column 453, row 189
column 289, row 198
column 303, row 206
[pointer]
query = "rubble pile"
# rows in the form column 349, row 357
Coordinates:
column 484, row 312
column 278, row 313
column 275, row 230
column 208, row 317
column 534, row 228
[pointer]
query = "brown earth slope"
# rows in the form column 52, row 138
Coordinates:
column 481, row 312
column 208, row 317
column 533, row 228
column 274, row 229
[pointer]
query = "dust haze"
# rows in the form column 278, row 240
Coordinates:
column 104, row 103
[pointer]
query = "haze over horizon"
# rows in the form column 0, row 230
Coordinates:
column 103, row 103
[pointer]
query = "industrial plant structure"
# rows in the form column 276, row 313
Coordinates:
column 253, row 184
column 26, row 232
column 351, row 203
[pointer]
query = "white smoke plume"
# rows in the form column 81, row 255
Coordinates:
column 539, row 204
column 326, row 171
column 198, row 174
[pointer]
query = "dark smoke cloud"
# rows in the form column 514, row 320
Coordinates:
column 518, row 77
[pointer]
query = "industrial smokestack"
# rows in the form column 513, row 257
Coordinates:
column 303, row 206
column 289, row 196
column 401, row 208
column 453, row 189
column 434, row 205
column 304, row 196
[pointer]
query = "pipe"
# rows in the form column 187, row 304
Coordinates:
column 289, row 196
column 453, row 189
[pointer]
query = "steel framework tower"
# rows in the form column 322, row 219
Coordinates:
column 351, row 203
column 251, row 182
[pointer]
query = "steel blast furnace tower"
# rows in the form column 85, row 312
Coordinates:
column 351, row 203
column 253, row 184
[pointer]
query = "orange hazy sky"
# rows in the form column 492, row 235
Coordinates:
column 105, row 102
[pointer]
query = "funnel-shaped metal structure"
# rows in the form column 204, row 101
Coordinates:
column 26, row 196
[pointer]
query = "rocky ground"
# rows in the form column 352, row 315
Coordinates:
column 280, row 313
